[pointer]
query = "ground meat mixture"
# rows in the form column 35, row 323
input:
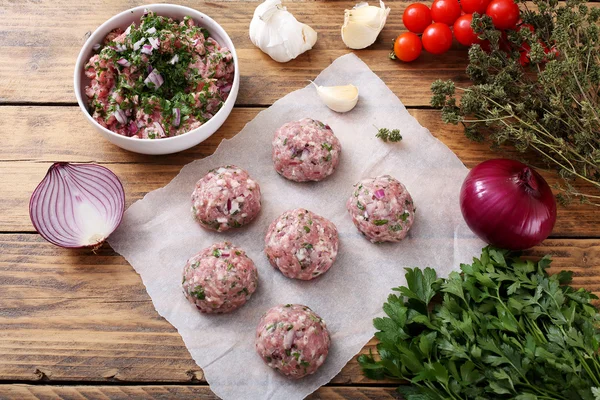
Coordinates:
column 158, row 79
column 301, row 244
column 293, row 340
column 382, row 209
column 225, row 198
column 219, row 279
column 305, row 150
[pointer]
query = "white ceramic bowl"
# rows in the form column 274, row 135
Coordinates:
column 170, row 144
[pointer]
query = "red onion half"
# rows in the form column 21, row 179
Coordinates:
column 508, row 204
column 77, row 205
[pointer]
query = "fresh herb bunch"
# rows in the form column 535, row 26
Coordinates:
column 504, row 329
column 389, row 136
column 546, row 99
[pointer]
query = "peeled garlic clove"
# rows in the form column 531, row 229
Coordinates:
column 338, row 98
column 278, row 33
column 362, row 24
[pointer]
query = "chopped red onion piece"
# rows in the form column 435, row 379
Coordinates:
column 154, row 42
column 174, row 59
column 77, row 205
column 226, row 88
column 305, row 154
column 177, row 119
column 380, row 194
column 96, row 47
column 132, row 128
column 147, row 49
column 146, row 12
column 121, row 47
column 154, row 77
column 151, row 30
column 160, row 130
column 138, row 44
column 120, row 116
column 128, row 29
column 124, row 62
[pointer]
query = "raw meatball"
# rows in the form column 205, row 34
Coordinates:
column 301, row 244
column 219, row 279
column 305, row 150
column 382, row 209
column 225, row 198
column 292, row 339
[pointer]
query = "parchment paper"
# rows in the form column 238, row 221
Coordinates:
column 158, row 234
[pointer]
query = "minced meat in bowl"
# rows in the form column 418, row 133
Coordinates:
column 158, row 78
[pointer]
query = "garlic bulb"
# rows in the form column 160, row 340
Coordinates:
column 278, row 33
column 338, row 98
column 362, row 24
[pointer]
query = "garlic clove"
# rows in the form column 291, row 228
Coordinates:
column 278, row 33
column 338, row 98
column 362, row 24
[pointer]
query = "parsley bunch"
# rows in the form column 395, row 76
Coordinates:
column 504, row 329
column 545, row 98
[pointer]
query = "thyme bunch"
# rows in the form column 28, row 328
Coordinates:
column 551, row 105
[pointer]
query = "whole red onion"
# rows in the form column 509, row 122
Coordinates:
column 508, row 204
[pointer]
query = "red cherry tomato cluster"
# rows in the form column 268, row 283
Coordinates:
column 434, row 25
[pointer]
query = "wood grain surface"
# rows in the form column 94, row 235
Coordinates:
column 79, row 325
column 157, row 392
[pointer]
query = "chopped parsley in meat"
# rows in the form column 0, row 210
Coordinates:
column 160, row 78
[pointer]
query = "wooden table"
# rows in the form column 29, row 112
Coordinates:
column 80, row 325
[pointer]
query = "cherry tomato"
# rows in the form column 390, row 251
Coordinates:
column 407, row 46
column 524, row 54
column 526, row 26
column 437, row 38
column 486, row 46
column 504, row 13
column 474, row 6
column 445, row 11
column 552, row 50
column 417, row 17
column 505, row 44
column 463, row 31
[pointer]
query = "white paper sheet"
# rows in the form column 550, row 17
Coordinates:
column 158, row 234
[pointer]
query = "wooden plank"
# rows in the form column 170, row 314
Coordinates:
column 41, row 135
column 78, row 316
column 47, row 134
column 40, row 42
column 45, row 392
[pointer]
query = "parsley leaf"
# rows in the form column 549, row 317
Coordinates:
column 198, row 293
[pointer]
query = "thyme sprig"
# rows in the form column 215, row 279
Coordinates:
column 388, row 135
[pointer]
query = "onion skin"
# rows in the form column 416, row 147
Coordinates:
column 508, row 204
column 69, row 197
